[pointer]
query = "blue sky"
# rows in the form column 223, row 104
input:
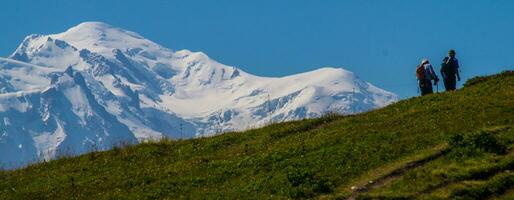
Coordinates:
column 381, row 41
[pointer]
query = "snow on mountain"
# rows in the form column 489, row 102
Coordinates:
column 95, row 86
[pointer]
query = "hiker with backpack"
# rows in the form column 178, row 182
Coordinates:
column 450, row 71
column 425, row 74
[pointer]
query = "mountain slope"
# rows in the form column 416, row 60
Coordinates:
column 314, row 158
column 134, row 84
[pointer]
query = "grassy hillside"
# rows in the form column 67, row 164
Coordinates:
column 455, row 144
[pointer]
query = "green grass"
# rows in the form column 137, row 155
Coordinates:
column 507, row 195
column 437, row 178
column 303, row 159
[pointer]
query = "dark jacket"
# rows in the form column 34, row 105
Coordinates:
column 450, row 68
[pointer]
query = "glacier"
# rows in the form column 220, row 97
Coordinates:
column 96, row 86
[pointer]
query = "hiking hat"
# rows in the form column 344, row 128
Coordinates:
column 451, row 51
column 424, row 61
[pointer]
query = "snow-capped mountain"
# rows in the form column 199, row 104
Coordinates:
column 95, row 86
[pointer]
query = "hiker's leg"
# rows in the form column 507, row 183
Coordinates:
column 421, row 88
column 430, row 90
column 424, row 91
column 426, row 88
column 446, row 84
column 452, row 83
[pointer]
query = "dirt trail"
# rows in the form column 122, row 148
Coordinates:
column 395, row 174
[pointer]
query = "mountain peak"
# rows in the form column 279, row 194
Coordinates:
column 99, row 30
column 100, row 37
column 93, row 25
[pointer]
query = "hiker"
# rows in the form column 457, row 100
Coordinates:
column 425, row 74
column 450, row 71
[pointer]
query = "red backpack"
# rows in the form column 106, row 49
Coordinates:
column 420, row 72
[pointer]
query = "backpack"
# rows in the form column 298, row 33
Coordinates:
column 420, row 72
